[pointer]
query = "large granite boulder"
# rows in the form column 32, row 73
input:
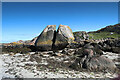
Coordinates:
column 46, row 38
column 64, row 36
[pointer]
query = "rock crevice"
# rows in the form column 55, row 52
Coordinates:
column 49, row 39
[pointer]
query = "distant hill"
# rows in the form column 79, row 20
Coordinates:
column 111, row 31
column 110, row 28
column 21, row 42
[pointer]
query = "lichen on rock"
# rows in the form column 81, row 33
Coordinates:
column 45, row 39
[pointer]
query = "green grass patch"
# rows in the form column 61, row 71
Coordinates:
column 103, row 35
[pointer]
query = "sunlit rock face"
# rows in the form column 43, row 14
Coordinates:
column 64, row 36
column 45, row 39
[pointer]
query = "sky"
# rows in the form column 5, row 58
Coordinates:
column 26, row 20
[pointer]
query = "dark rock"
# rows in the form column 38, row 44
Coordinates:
column 101, row 43
column 84, row 52
column 88, row 46
column 113, row 42
column 93, row 63
column 88, row 52
column 73, row 45
column 33, row 48
column 90, row 57
column 79, row 52
column 100, row 63
column 65, row 51
column 97, row 48
column 106, row 48
column 81, row 35
column 111, row 45
column 45, row 39
column 116, row 49
column 64, row 36
column 90, row 49
column 16, row 49
column 76, row 45
column 83, row 56
column 82, row 43
column 88, row 41
column 117, row 43
column 96, row 45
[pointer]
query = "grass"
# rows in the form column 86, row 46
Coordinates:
column 103, row 35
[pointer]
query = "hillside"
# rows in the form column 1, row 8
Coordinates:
column 111, row 28
column 112, row 31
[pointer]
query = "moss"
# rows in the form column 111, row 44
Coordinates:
column 45, row 42
column 103, row 35
column 74, row 42
column 59, row 42
column 16, row 49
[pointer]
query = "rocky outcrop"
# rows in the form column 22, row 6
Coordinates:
column 89, row 57
column 112, row 45
column 64, row 36
column 100, row 63
column 20, row 41
column 49, row 39
column 31, row 42
column 80, row 35
column 45, row 39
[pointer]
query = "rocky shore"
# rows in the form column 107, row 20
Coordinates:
column 61, row 54
column 45, row 65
